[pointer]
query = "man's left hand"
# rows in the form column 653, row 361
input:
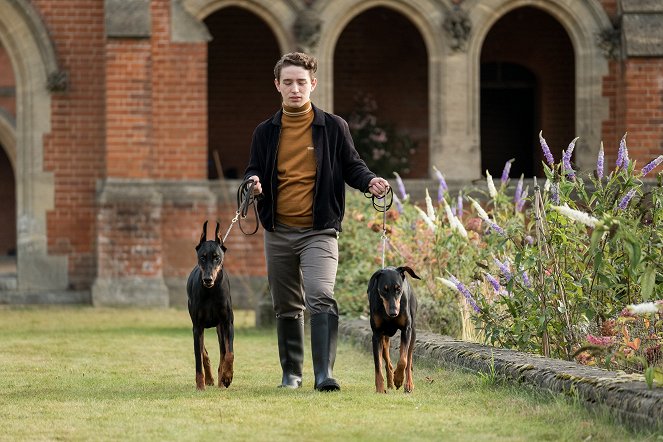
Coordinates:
column 378, row 187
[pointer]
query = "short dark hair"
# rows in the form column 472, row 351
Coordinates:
column 308, row 62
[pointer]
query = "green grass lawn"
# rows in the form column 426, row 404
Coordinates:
column 82, row 373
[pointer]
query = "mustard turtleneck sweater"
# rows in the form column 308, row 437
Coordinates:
column 296, row 167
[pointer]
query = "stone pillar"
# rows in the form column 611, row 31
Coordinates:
column 129, row 246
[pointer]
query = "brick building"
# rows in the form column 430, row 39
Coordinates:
column 125, row 123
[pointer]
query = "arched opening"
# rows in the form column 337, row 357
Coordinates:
column 8, row 223
column 241, row 92
column 528, row 64
column 7, row 173
column 7, row 207
column 508, row 118
column 381, row 88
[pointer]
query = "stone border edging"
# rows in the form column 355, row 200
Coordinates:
column 625, row 396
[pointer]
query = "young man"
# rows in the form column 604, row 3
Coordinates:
column 300, row 161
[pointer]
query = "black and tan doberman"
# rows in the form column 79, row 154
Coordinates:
column 208, row 290
column 393, row 306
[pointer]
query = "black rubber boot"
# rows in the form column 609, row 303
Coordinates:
column 290, row 333
column 324, row 333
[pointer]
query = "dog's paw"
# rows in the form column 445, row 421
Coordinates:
column 398, row 379
column 200, row 382
column 225, row 381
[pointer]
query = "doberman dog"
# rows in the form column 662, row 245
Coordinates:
column 393, row 306
column 208, row 289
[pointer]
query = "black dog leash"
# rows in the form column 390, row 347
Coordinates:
column 387, row 201
column 245, row 199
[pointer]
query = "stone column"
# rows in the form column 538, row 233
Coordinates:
column 129, row 246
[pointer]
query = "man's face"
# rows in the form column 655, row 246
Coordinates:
column 295, row 85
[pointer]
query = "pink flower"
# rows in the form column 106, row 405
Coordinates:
column 603, row 341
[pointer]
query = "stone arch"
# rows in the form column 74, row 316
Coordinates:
column 34, row 61
column 583, row 21
column 424, row 15
column 275, row 14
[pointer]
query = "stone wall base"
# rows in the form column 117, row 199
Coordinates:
column 130, row 292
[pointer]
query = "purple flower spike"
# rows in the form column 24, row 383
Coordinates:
column 401, row 186
column 566, row 159
column 461, row 288
column 506, row 171
column 399, row 205
column 627, row 198
column 546, row 150
column 526, row 280
column 504, row 268
column 622, row 155
column 554, row 193
column 494, row 282
column 519, row 189
column 459, row 210
column 652, row 165
column 496, row 228
column 442, row 188
column 522, row 200
column 599, row 163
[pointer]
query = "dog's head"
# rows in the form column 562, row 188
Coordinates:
column 389, row 284
column 210, row 256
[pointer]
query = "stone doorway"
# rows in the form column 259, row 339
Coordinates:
column 534, row 55
column 509, row 118
column 381, row 56
column 241, row 93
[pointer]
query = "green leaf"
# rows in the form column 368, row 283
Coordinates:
column 649, row 377
column 658, row 375
column 647, row 282
column 633, row 250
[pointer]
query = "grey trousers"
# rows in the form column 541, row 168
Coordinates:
column 301, row 270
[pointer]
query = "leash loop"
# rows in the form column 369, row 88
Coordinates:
column 387, row 200
column 245, row 199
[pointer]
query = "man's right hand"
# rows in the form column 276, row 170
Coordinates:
column 257, row 188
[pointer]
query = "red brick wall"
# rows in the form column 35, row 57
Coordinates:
column 643, row 109
column 636, row 106
column 74, row 149
column 614, row 126
column 381, row 52
column 179, row 102
column 610, row 7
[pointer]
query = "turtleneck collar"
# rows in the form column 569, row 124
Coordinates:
column 298, row 111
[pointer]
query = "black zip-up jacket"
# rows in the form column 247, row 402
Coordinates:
column 337, row 162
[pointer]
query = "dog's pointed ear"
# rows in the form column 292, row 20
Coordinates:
column 373, row 282
column 404, row 269
column 216, row 233
column 203, row 236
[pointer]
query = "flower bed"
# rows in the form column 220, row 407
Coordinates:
column 570, row 269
